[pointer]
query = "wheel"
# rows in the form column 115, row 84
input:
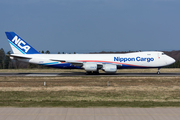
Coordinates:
column 88, row 72
column 95, row 72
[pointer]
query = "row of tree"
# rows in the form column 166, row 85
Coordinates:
column 7, row 63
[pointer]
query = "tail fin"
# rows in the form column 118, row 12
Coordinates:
column 18, row 45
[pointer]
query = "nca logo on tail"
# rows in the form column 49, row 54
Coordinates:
column 21, row 44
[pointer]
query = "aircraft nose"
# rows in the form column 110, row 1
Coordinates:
column 171, row 60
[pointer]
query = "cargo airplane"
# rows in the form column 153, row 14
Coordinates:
column 91, row 63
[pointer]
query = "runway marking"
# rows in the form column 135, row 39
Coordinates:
column 42, row 74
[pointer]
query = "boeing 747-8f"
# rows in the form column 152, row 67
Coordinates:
column 91, row 63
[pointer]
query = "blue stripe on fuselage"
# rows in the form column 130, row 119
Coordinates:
column 70, row 66
column 63, row 65
column 51, row 63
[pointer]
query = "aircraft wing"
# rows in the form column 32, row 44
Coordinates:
column 80, row 63
column 67, row 61
column 75, row 63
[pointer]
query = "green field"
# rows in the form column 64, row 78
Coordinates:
column 90, row 91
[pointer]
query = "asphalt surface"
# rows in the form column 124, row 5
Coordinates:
column 89, row 113
column 83, row 74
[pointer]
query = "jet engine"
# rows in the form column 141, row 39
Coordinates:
column 90, row 66
column 109, row 68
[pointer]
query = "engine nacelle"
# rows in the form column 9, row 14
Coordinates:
column 90, row 66
column 109, row 68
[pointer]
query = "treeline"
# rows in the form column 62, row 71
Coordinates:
column 174, row 65
column 5, row 61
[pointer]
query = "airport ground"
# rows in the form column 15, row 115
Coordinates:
column 154, row 70
column 90, row 91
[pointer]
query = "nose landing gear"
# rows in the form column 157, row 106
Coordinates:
column 158, row 72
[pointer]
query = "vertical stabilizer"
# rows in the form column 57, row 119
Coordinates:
column 18, row 45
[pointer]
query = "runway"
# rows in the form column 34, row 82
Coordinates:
column 89, row 113
column 83, row 74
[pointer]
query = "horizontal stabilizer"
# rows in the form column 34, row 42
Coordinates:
column 18, row 56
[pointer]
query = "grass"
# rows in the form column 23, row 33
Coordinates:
column 110, row 98
column 81, row 104
column 92, row 94
column 90, row 91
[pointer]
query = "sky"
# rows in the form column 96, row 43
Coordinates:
column 84, row 26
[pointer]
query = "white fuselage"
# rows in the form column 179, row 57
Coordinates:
column 128, row 60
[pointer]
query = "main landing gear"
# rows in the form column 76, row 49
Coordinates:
column 158, row 72
column 92, row 72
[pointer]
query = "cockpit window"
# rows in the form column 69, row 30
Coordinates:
column 163, row 54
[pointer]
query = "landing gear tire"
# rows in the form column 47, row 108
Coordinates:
column 88, row 72
column 92, row 72
column 95, row 72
